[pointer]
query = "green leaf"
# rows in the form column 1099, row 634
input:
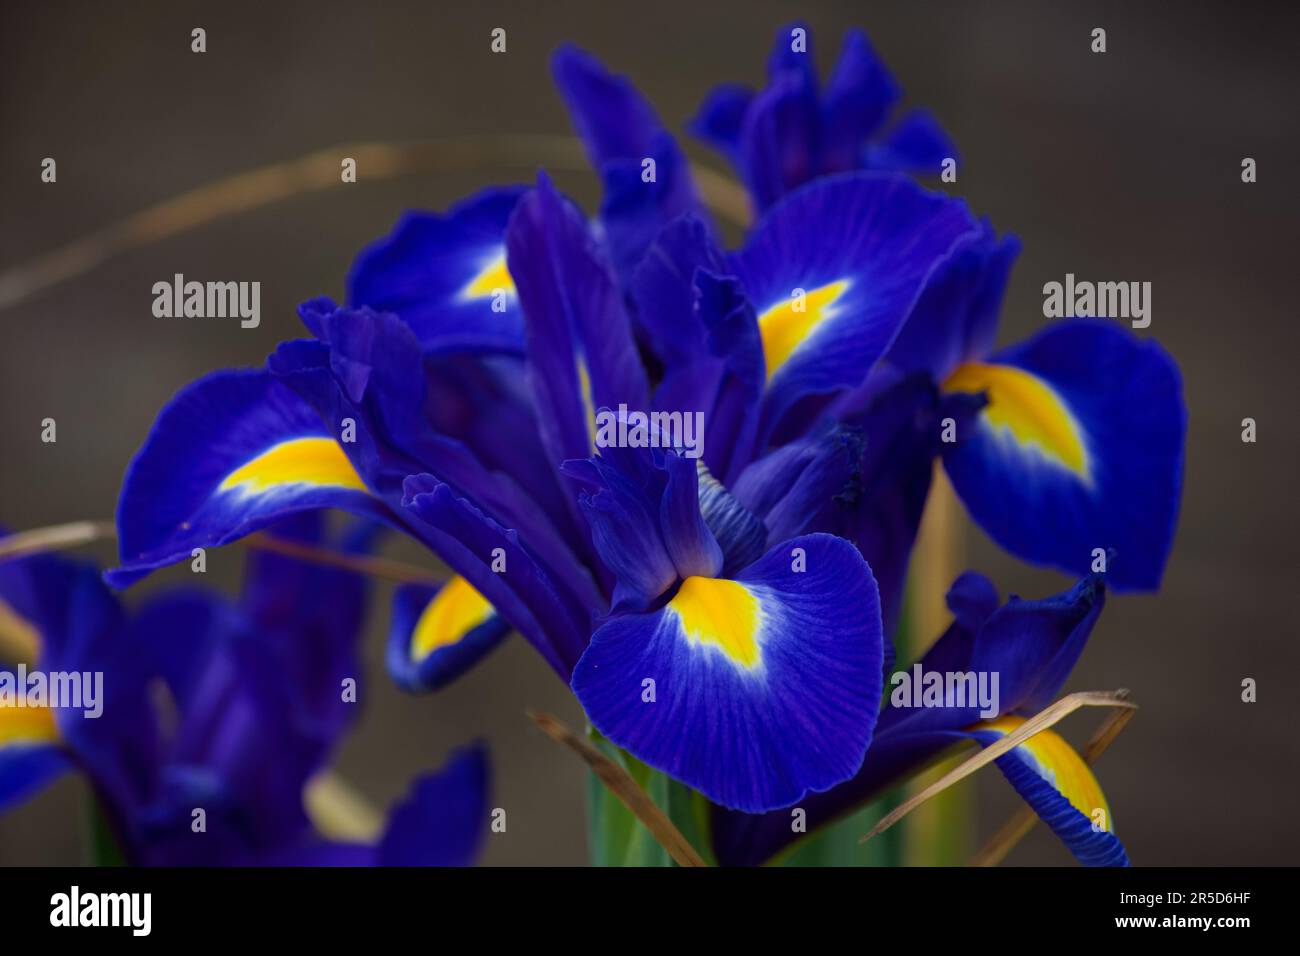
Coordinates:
column 104, row 849
column 617, row 838
column 837, row 843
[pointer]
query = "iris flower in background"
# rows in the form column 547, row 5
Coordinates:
column 253, row 708
column 791, row 132
column 455, row 397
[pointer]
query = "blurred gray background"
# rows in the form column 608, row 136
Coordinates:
column 1124, row 166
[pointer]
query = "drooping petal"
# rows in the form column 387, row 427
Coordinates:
column 765, row 687
column 229, row 455
column 436, row 634
column 1078, row 452
column 1061, row 788
column 1029, row 646
column 446, row 276
column 833, row 272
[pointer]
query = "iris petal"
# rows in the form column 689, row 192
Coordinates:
column 1062, row 790
column 436, row 634
column 764, row 688
column 1079, row 452
column 446, row 276
column 229, row 455
column 835, row 269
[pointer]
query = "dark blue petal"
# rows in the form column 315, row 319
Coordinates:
column 917, row 144
column 956, row 318
column 624, row 516
column 581, row 356
column 721, row 118
column 859, row 98
column 79, row 629
column 621, row 131
column 444, row 820
column 470, row 542
column 690, row 543
column 780, row 140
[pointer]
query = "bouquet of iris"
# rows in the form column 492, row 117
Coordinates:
column 691, row 476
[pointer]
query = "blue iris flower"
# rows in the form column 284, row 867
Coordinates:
column 254, row 710
column 456, row 395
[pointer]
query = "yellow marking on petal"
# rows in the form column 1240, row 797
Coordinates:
column 27, row 725
column 720, row 613
column 495, row 275
column 1060, row 766
column 454, row 611
column 307, row 461
column 588, row 403
column 20, row 642
column 783, row 328
column 1027, row 407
